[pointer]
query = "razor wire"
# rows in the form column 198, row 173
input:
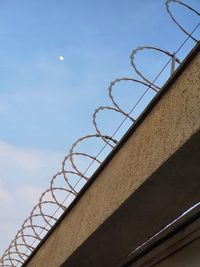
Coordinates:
column 41, row 220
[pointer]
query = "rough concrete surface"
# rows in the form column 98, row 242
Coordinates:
column 172, row 121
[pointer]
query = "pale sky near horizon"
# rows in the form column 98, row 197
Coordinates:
column 46, row 102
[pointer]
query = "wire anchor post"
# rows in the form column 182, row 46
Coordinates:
column 173, row 63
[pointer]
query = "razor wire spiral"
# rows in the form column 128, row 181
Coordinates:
column 41, row 220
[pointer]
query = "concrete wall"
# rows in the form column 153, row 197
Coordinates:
column 172, row 121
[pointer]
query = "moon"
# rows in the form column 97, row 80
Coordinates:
column 61, row 58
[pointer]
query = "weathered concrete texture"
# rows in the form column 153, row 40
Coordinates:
column 172, row 121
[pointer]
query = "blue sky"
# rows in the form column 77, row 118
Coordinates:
column 45, row 103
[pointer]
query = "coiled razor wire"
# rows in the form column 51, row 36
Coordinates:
column 174, row 19
column 45, row 214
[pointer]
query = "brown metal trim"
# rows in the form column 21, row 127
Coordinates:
column 180, row 239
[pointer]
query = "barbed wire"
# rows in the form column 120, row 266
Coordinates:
column 43, row 216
